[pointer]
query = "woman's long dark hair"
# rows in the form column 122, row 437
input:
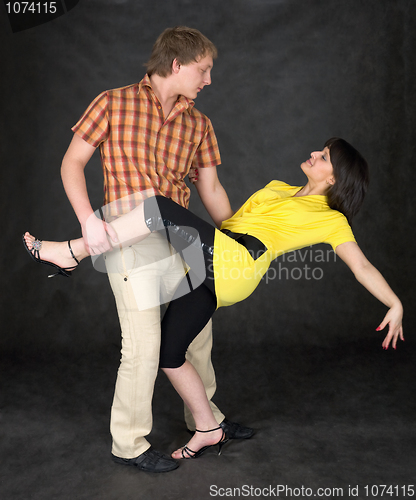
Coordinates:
column 351, row 178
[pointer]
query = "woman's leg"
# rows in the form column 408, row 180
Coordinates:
column 190, row 388
column 130, row 228
column 186, row 316
column 58, row 252
column 182, row 228
column 184, row 319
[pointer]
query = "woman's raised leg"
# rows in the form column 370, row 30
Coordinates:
column 57, row 252
column 130, row 228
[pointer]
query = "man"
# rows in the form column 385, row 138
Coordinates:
column 149, row 135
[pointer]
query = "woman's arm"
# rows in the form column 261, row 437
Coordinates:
column 373, row 280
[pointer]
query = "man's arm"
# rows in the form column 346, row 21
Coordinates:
column 213, row 195
column 94, row 231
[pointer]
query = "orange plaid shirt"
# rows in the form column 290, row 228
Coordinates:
column 139, row 150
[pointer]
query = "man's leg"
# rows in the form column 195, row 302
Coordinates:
column 136, row 286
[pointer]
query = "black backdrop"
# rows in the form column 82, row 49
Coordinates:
column 290, row 74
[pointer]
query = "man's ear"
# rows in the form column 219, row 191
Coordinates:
column 175, row 66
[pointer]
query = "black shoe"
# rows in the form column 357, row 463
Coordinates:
column 188, row 453
column 236, row 431
column 149, row 461
column 34, row 253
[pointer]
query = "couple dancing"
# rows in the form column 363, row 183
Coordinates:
column 150, row 135
column 277, row 219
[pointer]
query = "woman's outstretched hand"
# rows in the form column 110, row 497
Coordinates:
column 375, row 283
column 393, row 319
column 97, row 234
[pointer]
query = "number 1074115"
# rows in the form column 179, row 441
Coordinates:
column 31, row 7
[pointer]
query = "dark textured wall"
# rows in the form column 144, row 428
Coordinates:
column 290, row 74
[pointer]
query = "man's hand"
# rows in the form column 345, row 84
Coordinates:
column 97, row 235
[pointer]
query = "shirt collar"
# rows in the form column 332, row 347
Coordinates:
column 184, row 101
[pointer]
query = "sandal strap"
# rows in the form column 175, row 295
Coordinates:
column 187, row 450
column 36, row 246
column 72, row 253
column 211, row 430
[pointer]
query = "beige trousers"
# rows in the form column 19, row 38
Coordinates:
column 142, row 277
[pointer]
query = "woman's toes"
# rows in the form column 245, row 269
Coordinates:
column 177, row 453
column 29, row 239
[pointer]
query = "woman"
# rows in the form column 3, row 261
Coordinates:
column 277, row 219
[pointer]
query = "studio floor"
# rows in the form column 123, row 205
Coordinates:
column 329, row 421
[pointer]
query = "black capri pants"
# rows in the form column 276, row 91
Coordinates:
column 187, row 313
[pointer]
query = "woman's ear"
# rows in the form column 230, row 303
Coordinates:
column 331, row 181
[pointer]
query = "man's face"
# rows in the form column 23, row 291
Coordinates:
column 193, row 77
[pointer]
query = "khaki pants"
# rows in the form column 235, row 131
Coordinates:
column 142, row 277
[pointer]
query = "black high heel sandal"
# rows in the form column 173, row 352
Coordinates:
column 34, row 253
column 198, row 453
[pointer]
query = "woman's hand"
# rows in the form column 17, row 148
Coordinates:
column 373, row 280
column 193, row 175
column 393, row 318
column 96, row 234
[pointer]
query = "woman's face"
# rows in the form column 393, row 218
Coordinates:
column 319, row 167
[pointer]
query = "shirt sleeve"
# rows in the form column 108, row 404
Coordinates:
column 207, row 153
column 342, row 233
column 93, row 126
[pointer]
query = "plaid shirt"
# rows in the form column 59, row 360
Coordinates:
column 140, row 151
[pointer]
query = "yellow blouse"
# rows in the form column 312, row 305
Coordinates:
column 283, row 223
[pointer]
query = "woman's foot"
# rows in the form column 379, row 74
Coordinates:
column 200, row 440
column 56, row 252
